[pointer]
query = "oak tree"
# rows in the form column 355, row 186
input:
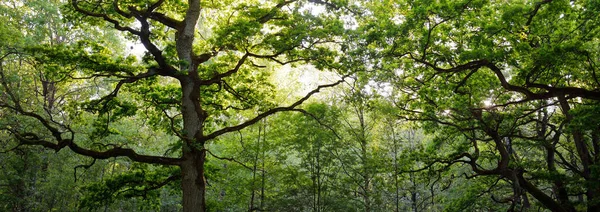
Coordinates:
column 204, row 62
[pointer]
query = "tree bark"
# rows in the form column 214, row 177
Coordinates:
column 539, row 195
column 193, row 184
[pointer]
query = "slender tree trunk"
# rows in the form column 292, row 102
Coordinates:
column 413, row 192
column 550, row 147
column 262, row 187
column 526, row 203
column 315, row 175
column 365, row 159
column 366, row 178
column 396, row 182
column 261, row 150
column 413, row 199
column 396, row 169
column 318, row 174
column 251, row 207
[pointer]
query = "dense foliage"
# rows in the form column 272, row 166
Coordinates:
column 316, row 105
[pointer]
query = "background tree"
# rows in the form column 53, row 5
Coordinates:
column 35, row 179
column 483, row 73
column 359, row 161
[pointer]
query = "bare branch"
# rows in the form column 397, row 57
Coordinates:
column 7, row 54
column 152, row 185
column 116, row 23
column 85, row 166
column 326, row 3
column 228, row 159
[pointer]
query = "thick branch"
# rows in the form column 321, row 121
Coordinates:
column 166, row 20
column 144, row 33
column 164, row 69
column 539, row 194
column 572, row 92
column 31, row 139
column 551, row 91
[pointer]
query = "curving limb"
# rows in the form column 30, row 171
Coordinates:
column 550, row 92
column 115, row 92
column 218, row 77
column 84, row 166
column 34, row 140
column 28, row 138
column 270, row 112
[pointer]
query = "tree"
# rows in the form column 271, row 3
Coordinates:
column 360, row 159
column 34, row 179
column 314, row 142
column 204, row 62
column 503, row 85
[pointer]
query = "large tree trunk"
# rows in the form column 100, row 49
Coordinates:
column 192, row 181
